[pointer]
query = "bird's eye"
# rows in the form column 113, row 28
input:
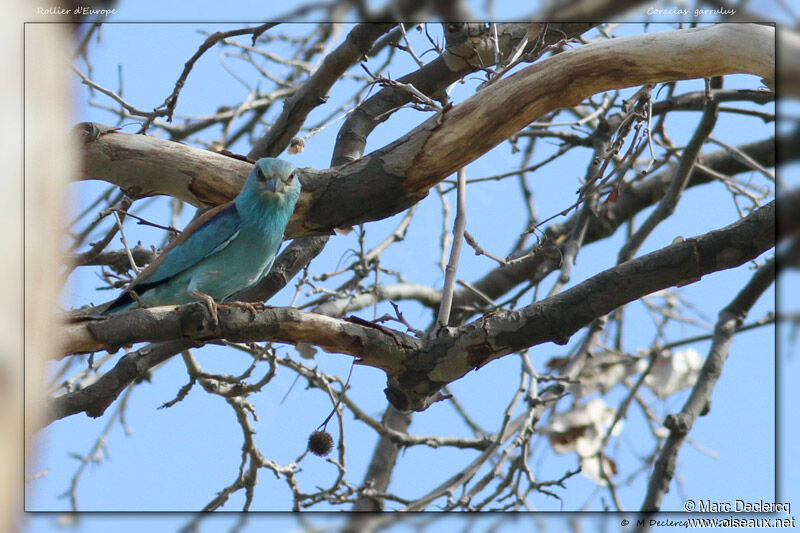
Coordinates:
column 260, row 174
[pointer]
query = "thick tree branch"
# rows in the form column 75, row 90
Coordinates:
column 699, row 402
column 557, row 318
column 491, row 116
column 376, row 345
column 393, row 178
column 191, row 325
column 95, row 398
column 386, row 452
column 417, row 371
column 144, row 166
column 468, row 47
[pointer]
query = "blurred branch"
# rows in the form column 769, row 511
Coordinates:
column 34, row 216
column 695, row 101
column 788, row 222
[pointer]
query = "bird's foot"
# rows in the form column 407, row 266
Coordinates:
column 209, row 301
column 244, row 305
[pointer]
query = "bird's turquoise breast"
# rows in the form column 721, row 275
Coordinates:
column 237, row 266
column 240, row 266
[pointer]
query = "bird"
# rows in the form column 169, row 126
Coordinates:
column 225, row 250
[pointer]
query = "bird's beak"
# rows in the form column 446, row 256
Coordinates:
column 274, row 184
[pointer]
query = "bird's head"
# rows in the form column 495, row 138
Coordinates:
column 271, row 177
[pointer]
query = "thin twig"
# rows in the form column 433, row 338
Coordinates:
column 667, row 204
column 480, row 251
column 744, row 158
column 458, row 236
column 125, row 243
column 408, row 47
column 172, row 100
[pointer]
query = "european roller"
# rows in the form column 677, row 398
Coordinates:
column 227, row 249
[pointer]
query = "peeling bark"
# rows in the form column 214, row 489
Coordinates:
column 398, row 175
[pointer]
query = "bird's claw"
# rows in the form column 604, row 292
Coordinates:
column 244, row 305
column 210, row 303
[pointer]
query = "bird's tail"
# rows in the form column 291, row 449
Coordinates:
column 94, row 312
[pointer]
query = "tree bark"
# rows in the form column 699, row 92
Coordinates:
column 398, row 175
column 417, row 369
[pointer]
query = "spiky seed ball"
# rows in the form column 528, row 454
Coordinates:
column 320, row 443
column 297, row 145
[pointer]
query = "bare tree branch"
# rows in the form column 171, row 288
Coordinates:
column 634, row 165
column 699, row 402
column 557, row 318
column 632, row 199
column 398, row 175
column 417, row 372
column 666, row 206
column 315, row 90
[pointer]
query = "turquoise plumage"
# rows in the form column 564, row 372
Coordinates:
column 227, row 249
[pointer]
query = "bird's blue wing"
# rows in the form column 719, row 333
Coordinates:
column 204, row 236
column 209, row 237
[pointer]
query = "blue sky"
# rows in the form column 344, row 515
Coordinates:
column 175, row 459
